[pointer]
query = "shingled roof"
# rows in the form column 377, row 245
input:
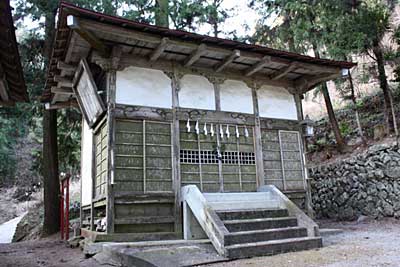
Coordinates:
column 99, row 32
column 12, row 83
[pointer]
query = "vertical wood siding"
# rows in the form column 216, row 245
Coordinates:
column 101, row 150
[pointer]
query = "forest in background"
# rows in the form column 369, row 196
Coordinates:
column 340, row 30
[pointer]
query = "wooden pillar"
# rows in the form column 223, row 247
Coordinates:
column 308, row 198
column 176, row 170
column 258, row 141
column 111, row 87
column 217, row 88
column 92, row 214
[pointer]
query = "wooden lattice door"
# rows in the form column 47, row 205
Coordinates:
column 218, row 158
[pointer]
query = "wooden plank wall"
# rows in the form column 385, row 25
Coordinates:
column 101, row 152
column 144, row 199
column 236, row 177
column 282, row 155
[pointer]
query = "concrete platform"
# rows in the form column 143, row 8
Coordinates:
column 159, row 253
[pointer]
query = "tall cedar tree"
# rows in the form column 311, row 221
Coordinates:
column 186, row 16
column 301, row 30
column 359, row 29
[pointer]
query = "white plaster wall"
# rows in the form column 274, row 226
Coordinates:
column 196, row 92
column 236, row 96
column 86, row 163
column 276, row 102
column 143, row 87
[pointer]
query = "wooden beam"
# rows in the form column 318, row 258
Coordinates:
column 228, row 60
column 4, row 90
column 67, row 104
column 305, row 84
column 166, row 65
column 196, row 54
column 61, row 65
column 73, row 23
column 258, row 66
column 282, row 72
column 159, row 49
column 62, row 90
column 116, row 53
column 129, row 36
column 7, row 104
column 63, row 81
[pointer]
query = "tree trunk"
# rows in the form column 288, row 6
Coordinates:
column 162, row 13
column 353, row 99
column 215, row 19
column 341, row 145
column 385, row 88
column 332, row 118
column 51, row 183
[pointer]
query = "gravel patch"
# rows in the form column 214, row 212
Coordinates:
column 374, row 243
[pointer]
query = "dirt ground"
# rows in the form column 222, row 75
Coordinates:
column 47, row 252
column 375, row 243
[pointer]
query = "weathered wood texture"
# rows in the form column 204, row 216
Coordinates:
column 282, row 156
column 143, row 194
column 101, row 161
column 144, row 213
column 143, row 156
column 86, row 92
column 202, row 167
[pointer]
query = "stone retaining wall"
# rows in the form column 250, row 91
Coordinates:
column 366, row 184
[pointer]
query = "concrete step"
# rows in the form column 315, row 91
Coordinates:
column 264, row 235
column 272, row 247
column 259, row 224
column 240, row 201
column 252, row 214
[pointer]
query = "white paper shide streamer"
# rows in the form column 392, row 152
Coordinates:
column 196, row 127
column 205, row 129
column 228, row 134
column 212, row 129
column 188, row 126
column 237, row 132
column 246, row 132
column 221, row 132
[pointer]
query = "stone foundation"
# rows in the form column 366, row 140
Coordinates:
column 366, row 184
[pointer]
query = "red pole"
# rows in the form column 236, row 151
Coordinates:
column 67, row 209
column 62, row 210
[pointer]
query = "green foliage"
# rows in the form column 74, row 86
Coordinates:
column 7, row 157
column 27, row 118
column 345, row 128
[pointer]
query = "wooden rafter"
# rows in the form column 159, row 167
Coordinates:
column 61, row 65
column 159, row 49
column 258, row 66
column 200, row 51
column 63, row 81
column 3, row 86
column 284, row 71
column 116, row 34
column 3, row 90
column 62, row 90
column 305, row 84
column 96, row 43
column 7, row 104
column 228, row 60
column 116, row 53
column 68, row 104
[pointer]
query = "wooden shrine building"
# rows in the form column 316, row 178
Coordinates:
column 12, row 83
column 164, row 109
